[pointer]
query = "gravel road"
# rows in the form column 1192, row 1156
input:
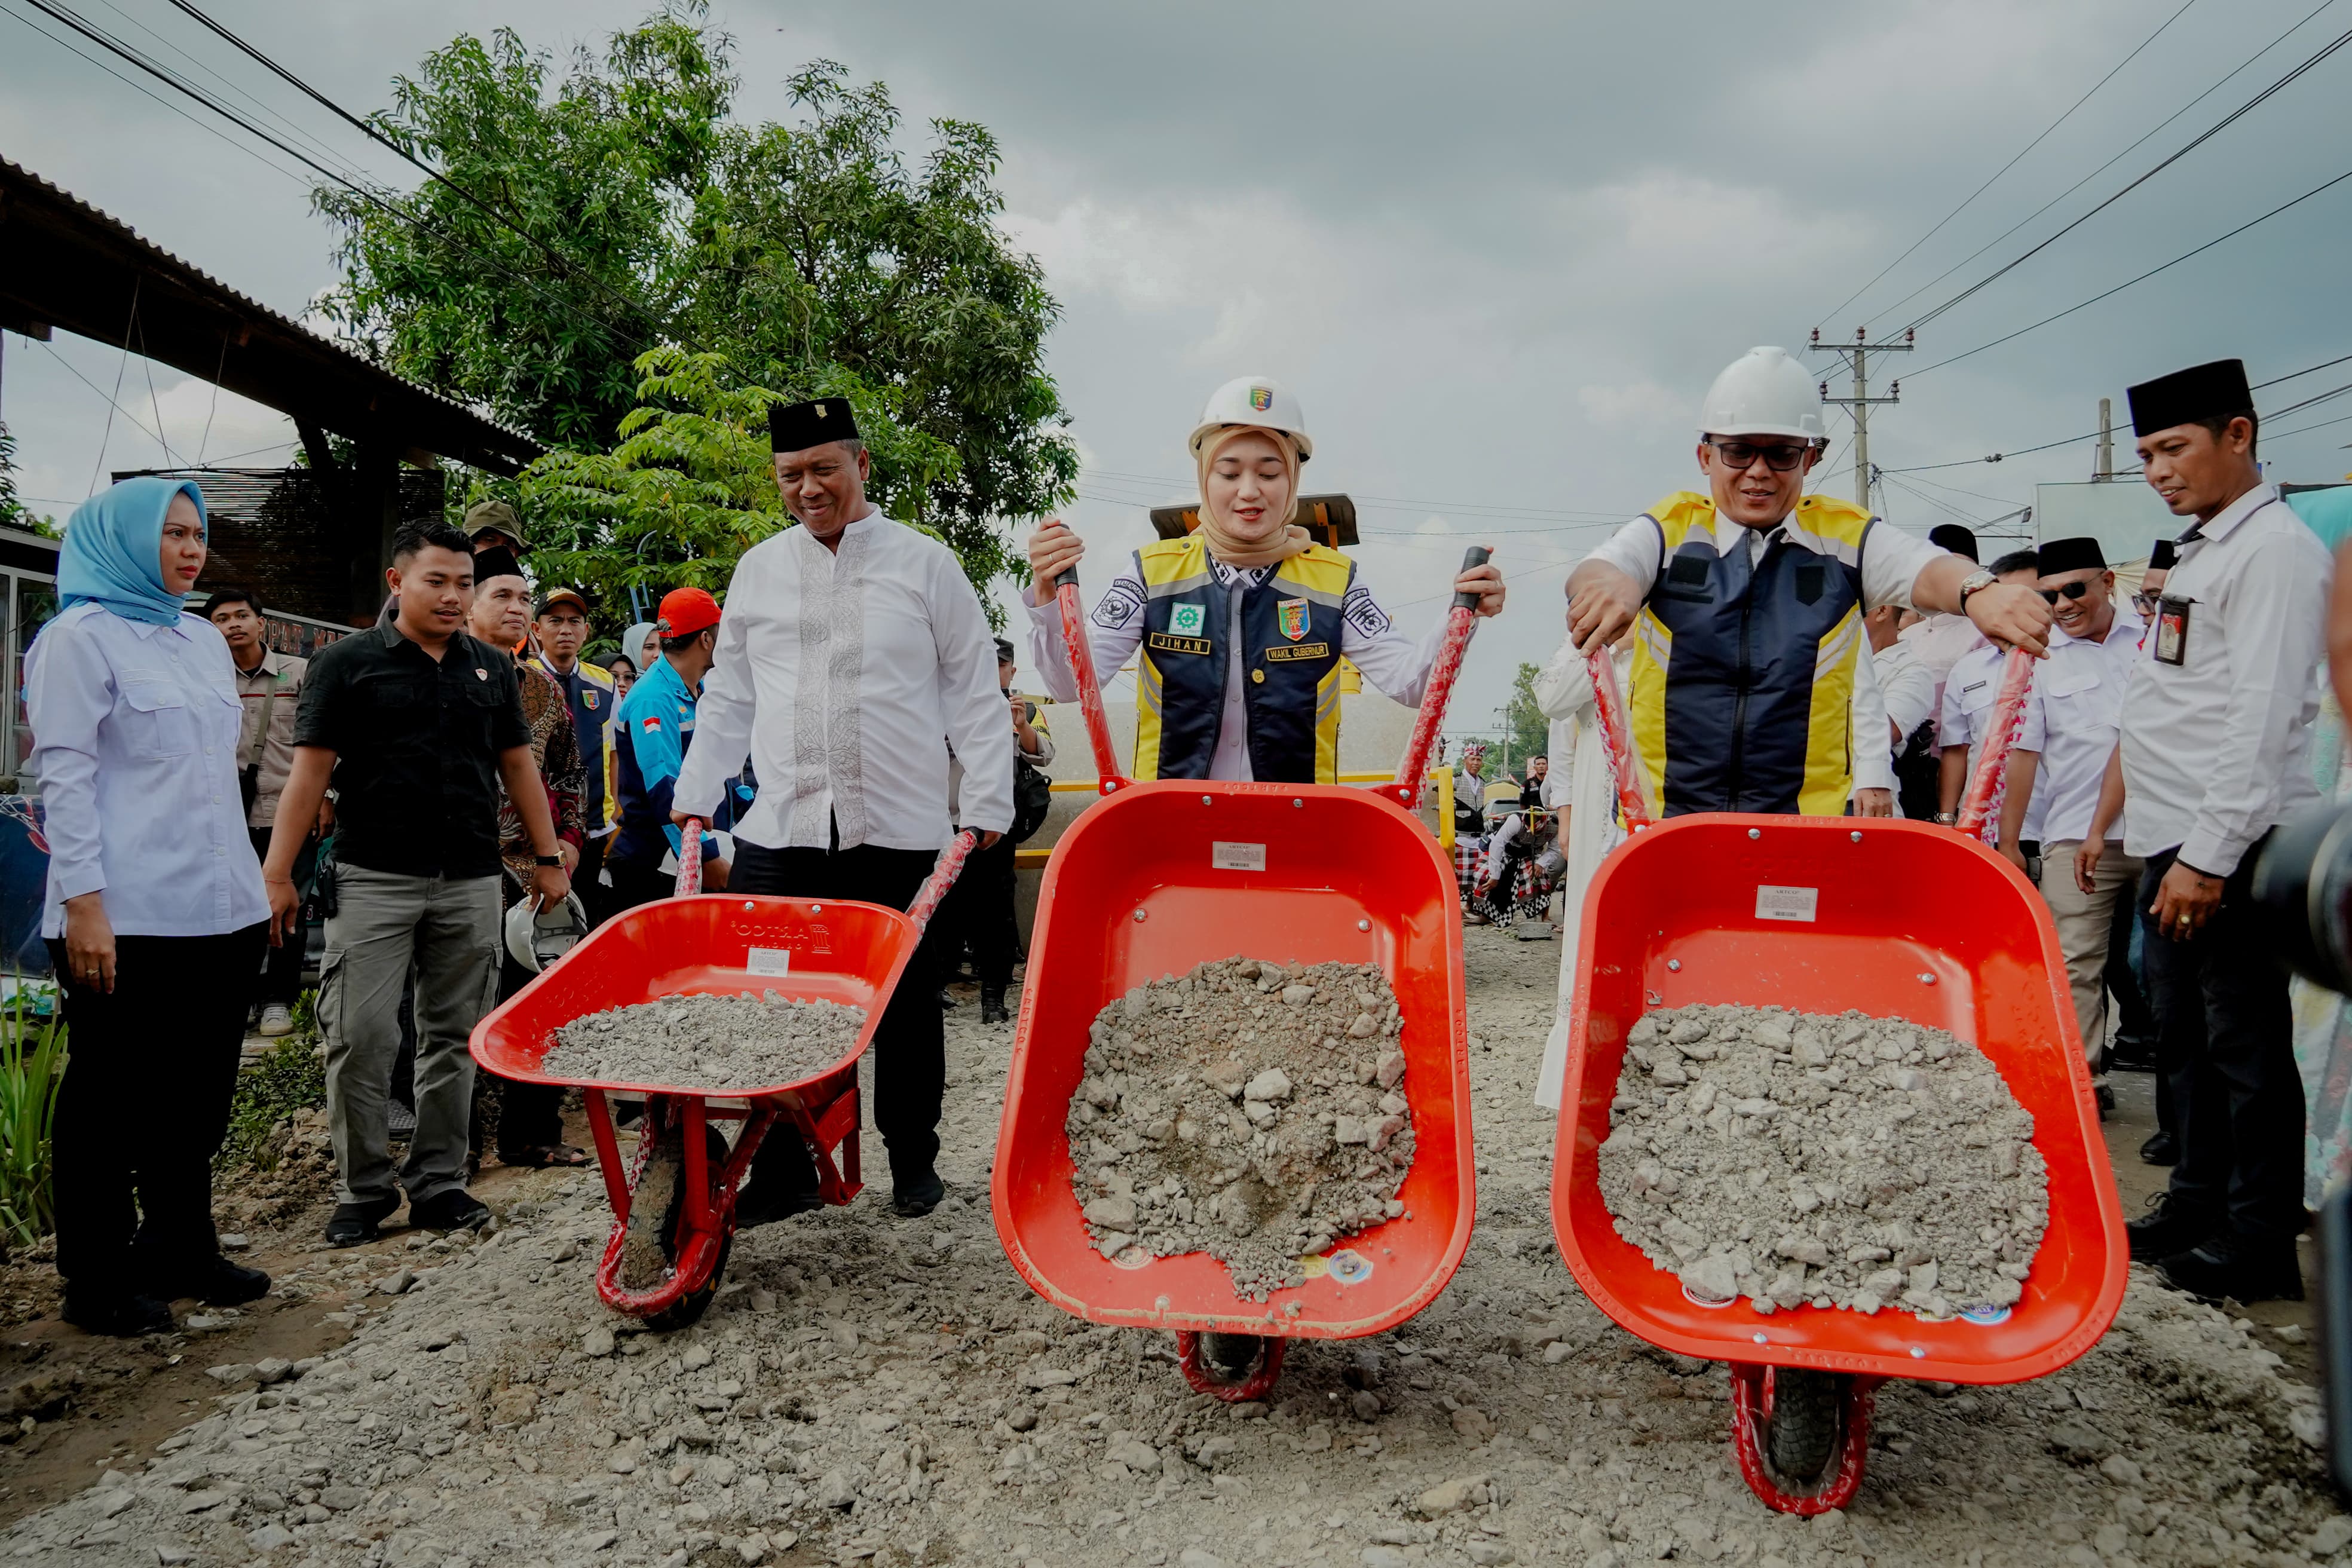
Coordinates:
column 873, row 1390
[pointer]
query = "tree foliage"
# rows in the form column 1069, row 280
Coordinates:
column 588, row 218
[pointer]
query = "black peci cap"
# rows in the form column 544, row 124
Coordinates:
column 2058, row 555
column 797, row 427
column 2164, row 556
column 2215, row 391
column 1951, row 536
column 495, row 560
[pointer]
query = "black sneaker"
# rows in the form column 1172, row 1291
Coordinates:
column 355, row 1225
column 2163, row 1149
column 991, row 1004
column 215, row 1281
column 761, row 1204
column 2246, row 1271
column 452, row 1209
column 124, row 1316
column 2169, row 1229
column 915, row 1201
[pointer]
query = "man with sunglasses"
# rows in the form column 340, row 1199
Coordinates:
column 2074, row 715
column 1747, row 605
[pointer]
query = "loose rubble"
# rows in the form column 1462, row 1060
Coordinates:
column 723, row 1043
column 1247, row 1110
column 1802, row 1159
column 884, row 1393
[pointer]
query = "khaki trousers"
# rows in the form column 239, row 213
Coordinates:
column 2083, row 921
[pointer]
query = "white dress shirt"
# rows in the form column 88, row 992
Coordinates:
column 1908, row 686
column 136, row 729
column 1890, row 559
column 846, row 676
column 2215, row 746
column 1967, row 718
column 1394, row 663
column 1874, row 763
column 2072, row 717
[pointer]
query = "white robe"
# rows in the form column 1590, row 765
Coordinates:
column 1580, row 754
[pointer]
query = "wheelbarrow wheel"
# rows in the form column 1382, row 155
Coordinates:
column 1801, row 1435
column 657, row 1211
column 1235, row 1368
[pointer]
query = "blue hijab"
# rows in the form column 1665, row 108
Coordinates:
column 114, row 551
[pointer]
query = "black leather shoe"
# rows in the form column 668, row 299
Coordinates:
column 2104, row 1094
column 215, row 1281
column 2163, row 1149
column 915, row 1201
column 355, row 1225
column 756, row 1204
column 126, row 1317
column 991, row 1004
column 2170, row 1228
column 2244, row 1270
column 452, row 1209
column 2128, row 1055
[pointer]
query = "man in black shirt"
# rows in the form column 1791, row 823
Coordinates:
column 419, row 726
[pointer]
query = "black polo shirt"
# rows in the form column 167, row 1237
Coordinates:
column 417, row 747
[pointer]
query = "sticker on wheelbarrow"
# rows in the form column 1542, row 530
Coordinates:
column 1350, row 1267
column 768, row 960
column 1986, row 1317
column 1787, row 903
column 1224, row 856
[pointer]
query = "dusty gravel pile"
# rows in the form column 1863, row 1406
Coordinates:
column 1842, row 1162
column 707, row 1042
column 1248, row 1110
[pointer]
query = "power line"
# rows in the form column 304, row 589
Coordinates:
column 2144, row 138
column 2194, row 142
column 2005, row 168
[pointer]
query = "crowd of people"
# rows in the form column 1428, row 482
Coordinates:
column 461, row 794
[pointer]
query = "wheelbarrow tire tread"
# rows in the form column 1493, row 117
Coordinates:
column 1803, row 1437
column 654, row 1210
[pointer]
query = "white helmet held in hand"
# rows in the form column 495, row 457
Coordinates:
column 1764, row 393
column 1255, row 401
column 537, row 937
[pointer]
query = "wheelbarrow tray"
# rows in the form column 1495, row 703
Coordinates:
column 1161, row 876
column 1676, row 917
column 719, row 945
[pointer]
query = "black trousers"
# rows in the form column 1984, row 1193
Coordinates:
column 910, row 1043
column 2225, row 1040
column 281, row 966
column 521, row 1116
column 979, row 910
column 2135, row 1020
column 144, row 1104
column 636, row 882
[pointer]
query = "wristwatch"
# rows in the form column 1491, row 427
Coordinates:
column 1979, row 578
column 1947, row 816
column 549, row 859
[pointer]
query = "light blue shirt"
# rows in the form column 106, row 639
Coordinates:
column 135, row 729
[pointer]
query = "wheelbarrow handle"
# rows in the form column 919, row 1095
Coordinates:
column 943, row 878
column 1461, row 620
column 1609, row 706
column 689, row 857
column 1082, row 666
column 1985, row 784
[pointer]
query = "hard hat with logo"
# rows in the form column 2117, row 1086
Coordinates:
column 1764, row 393
column 1256, row 401
column 537, row 935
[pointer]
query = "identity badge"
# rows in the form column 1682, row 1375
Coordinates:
column 2172, row 630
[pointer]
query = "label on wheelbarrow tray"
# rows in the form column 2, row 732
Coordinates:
column 1786, row 903
column 1227, row 856
column 768, row 960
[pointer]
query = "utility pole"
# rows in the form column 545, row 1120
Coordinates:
column 1856, row 355
column 2106, row 471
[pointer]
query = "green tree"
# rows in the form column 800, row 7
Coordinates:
column 13, row 512
column 1530, row 731
column 580, row 219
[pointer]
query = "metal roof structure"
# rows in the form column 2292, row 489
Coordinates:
column 66, row 265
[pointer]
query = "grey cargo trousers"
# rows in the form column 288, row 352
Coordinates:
column 449, row 930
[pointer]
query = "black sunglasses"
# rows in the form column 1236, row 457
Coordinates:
column 2075, row 590
column 1781, row 459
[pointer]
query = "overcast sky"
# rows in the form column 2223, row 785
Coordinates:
column 1498, row 250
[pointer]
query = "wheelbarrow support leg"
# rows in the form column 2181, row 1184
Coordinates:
column 1207, row 1378
column 1751, row 1418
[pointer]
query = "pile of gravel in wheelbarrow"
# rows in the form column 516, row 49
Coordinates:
column 1250, row 1110
column 1848, row 1161
column 722, row 1044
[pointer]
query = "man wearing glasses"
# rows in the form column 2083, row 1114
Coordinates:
column 2072, row 717
column 1747, row 605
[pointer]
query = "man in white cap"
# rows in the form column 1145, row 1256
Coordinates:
column 1747, row 605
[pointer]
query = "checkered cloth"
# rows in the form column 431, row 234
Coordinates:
column 1467, row 855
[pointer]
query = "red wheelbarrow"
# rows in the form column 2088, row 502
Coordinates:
column 674, row 1203
column 1823, row 914
column 1162, row 875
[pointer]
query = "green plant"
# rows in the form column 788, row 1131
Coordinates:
column 32, row 1063
column 292, row 1078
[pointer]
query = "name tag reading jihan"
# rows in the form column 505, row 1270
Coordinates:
column 1166, row 643
column 1787, row 903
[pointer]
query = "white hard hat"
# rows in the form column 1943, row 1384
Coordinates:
column 537, row 937
column 1763, row 393
column 1253, row 400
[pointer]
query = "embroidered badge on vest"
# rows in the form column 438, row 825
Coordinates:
column 1291, row 616
column 588, row 698
column 1186, row 620
column 480, row 674
column 1168, row 644
column 1305, row 652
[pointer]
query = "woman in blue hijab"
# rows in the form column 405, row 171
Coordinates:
column 155, row 901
